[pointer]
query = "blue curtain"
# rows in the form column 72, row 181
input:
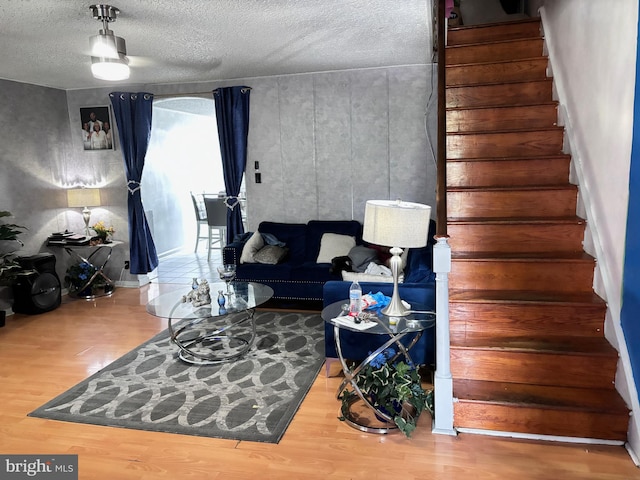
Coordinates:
column 133, row 118
column 232, row 114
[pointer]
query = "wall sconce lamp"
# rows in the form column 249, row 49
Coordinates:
column 108, row 52
column 398, row 225
column 84, row 197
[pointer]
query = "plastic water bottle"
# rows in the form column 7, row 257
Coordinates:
column 355, row 299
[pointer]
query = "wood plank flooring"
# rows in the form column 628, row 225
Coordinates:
column 44, row 355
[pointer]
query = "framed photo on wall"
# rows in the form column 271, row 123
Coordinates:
column 95, row 123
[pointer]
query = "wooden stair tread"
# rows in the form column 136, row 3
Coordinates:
column 553, row 128
column 560, row 156
column 517, row 221
column 580, row 256
column 551, row 103
column 572, row 398
column 525, row 297
column 509, row 84
column 563, row 345
column 519, row 188
column 494, row 24
column 494, row 62
column 495, row 43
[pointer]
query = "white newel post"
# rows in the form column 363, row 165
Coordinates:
column 443, row 383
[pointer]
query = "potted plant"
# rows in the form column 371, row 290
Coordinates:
column 103, row 233
column 9, row 243
column 393, row 388
column 80, row 278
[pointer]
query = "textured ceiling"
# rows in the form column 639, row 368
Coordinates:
column 46, row 42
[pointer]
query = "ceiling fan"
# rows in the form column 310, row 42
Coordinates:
column 109, row 59
column 108, row 52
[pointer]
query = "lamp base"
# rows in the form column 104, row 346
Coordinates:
column 395, row 308
column 86, row 216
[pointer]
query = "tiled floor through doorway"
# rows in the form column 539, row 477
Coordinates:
column 182, row 267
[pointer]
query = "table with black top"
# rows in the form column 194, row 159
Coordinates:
column 393, row 329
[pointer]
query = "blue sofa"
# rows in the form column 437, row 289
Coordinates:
column 297, row 276
column 418, row 288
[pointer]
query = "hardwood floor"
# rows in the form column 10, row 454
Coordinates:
column 43, row 355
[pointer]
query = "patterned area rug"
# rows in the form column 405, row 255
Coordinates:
column 253, row 398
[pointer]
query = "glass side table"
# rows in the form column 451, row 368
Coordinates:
column 98, row 284
column 394, row 329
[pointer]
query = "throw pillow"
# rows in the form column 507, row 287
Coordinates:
column 271, row 254
column 253, row 245
column 361, row 256
column 334, row 245
column 367, row 277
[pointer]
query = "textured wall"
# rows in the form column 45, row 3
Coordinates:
column 325, row 142
column 41, row 157
column 328, row 142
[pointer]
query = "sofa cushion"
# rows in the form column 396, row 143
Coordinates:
column 293, row 235
column 334, row 245
column 418, row 269
column 367, row 277
column 316, row 228
column 271, row 254
column 253, row 245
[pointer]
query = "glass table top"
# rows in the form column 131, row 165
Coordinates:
column 417, row 321
column 245, row 295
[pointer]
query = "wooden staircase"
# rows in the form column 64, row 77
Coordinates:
column 528, row 352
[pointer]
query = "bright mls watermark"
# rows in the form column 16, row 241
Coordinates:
column 50, row 467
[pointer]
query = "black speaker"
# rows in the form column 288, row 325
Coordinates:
column 37, row 289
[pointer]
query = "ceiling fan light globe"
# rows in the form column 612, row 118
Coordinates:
column 109, row 69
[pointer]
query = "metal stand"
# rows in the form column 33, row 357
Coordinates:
column 109, row 286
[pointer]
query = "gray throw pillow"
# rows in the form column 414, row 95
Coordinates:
column 270, row 254
column 361, row 256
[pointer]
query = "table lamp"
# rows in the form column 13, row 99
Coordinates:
column 398, row 225
column 84, row 197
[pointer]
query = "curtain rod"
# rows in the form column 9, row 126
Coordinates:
column 190, row 94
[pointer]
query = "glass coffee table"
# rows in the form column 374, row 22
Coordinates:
column 211, row 334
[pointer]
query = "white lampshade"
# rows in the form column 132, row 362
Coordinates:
column 83, row 197
column 396, row 223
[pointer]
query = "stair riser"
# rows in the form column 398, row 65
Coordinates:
column 582, row 371
column 502, row 118
column 526, row 320
column 537, row 276
column 503, row 173
column 482, row 34
column 494, row 52
column 511, row 203
column 528, row 93
column 561, row 422
column 522, row 70
column 512, row 238
column 504, row 144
